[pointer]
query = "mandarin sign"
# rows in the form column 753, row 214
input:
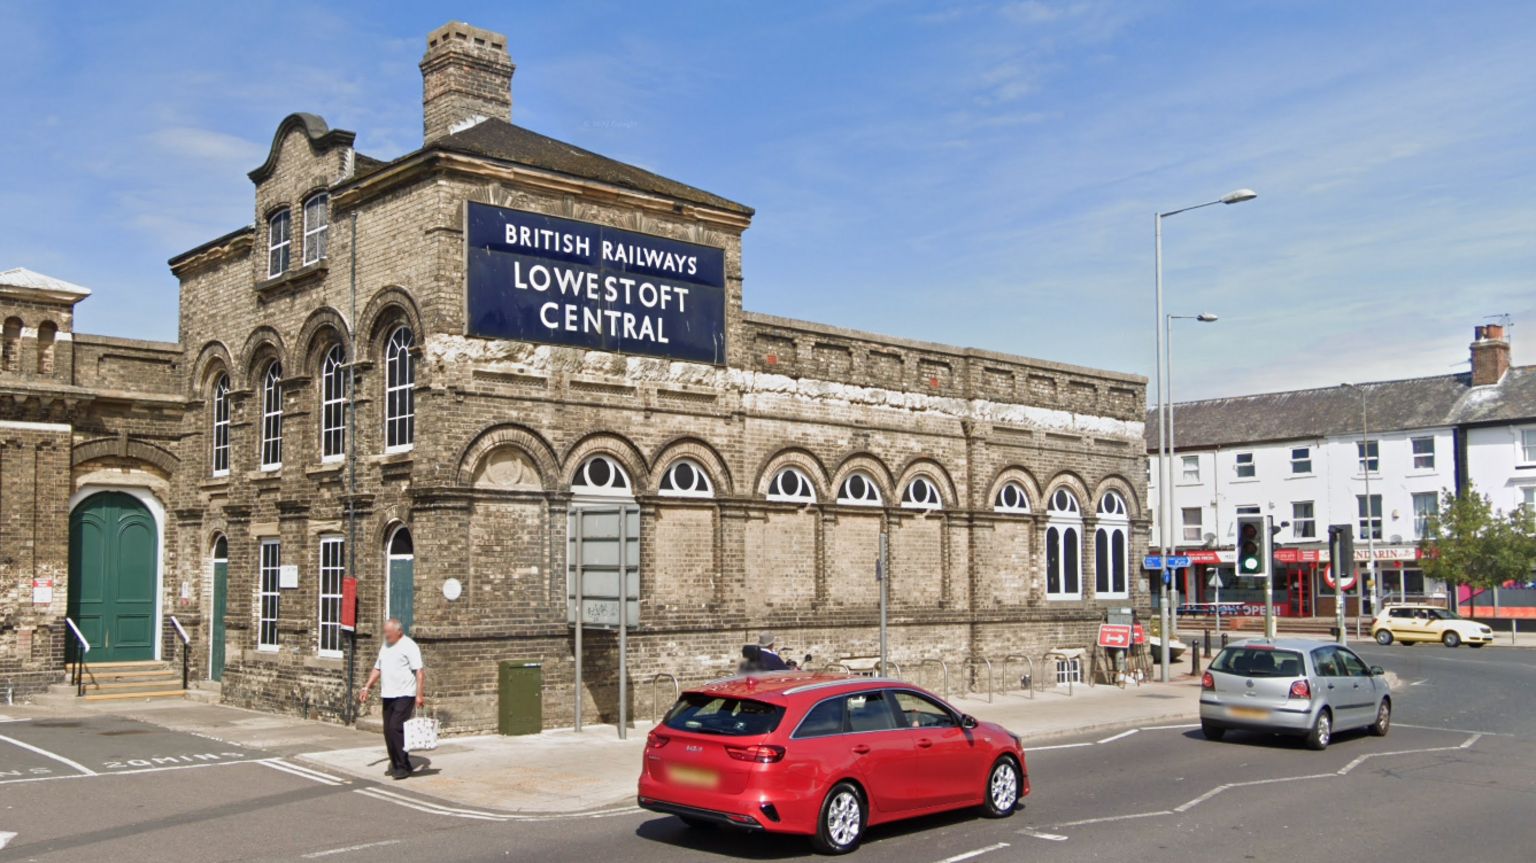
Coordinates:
column 545, row 279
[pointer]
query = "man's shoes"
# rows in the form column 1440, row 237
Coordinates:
column 398, row 773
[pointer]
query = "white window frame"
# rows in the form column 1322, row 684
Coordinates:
column 279, row 242
column 333, row 568
column 1421, row 517
column 272, row 417
column 1064, row 533
column 1423, row 460
column 1528, row 446
column 317, row 237
column 862, row 493
column 587, row 483
column 219, row 455
column 1310, row 521
column 1240, row 464
column 1304, row 459
column 779, row 490
column 1368, row 454
column 1185, row 524
column 674, row 482
column 1112, row 548
column 269, row 577
column 921, row 493
column 400, row 392
column 1189, row 468
column 1528, row 496
column 333, row 405
column 1364, row 520
column 1013, row 499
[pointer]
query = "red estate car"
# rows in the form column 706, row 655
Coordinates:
column 825, row 756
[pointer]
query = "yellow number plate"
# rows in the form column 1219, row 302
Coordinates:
column 1248, row 713
column 693, row 776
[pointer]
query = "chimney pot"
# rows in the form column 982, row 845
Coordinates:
column 1490, row 355
column 466, row 77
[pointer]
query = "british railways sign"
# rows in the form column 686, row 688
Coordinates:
column 538, row 278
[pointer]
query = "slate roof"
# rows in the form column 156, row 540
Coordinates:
column 499, row 139
column 1417, row 403
column 21, row 277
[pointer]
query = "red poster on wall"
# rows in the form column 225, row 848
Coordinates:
column 349, row 604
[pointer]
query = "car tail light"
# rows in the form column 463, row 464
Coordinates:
column 1301, row 689
column 760, row 754
column 1207, row 681
column 656, row 741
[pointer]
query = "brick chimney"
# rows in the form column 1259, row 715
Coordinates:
column 466, row 77
column 1490, row 355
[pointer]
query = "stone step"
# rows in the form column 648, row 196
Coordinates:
column 126, row 696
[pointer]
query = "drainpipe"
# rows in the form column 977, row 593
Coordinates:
column 349, row 710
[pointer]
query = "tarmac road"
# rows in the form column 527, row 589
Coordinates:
column 1455, row 779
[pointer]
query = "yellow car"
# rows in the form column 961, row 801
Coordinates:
column 1414, row 623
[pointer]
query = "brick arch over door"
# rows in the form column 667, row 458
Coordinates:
column 125, row 448
column 507, row 434
column 699, row 451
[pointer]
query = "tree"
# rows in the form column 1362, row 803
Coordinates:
column 1469, row 542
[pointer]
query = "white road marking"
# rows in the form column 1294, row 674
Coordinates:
column 84, row 771
column 1465, row 744
column 481, row 815
column 1415, row 683
column 133, row 772
column 1273, row 780
column 5, row 837
column 977, row 853
column 1120, row 735
column 419, row 806
column 1053, row 837
column 1107, row 818
column 318, row 854
column 301, row 772
column 1033, row 749
column 1170, row 727
column 1453, row 730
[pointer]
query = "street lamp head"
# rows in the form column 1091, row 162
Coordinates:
column 1207, row 318
column 1239, row 196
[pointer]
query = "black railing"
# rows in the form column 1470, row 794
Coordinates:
column 185, row 642
column 82, row 648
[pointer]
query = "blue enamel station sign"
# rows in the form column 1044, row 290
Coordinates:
column 538, row 278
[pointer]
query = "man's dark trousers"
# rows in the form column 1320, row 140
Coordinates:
column 396, row 712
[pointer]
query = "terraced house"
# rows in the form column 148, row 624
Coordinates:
column 463, row 375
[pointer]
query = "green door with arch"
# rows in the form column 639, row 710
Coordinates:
column 220, row 601
column 402, row 578
column 113, row 555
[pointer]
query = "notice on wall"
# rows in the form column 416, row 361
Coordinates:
column 538, row 278
column 42, row 591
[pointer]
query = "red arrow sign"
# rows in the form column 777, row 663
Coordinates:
column 1114, row 635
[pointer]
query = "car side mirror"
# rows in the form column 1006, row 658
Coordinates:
column 1377, row 671
column 968, row 721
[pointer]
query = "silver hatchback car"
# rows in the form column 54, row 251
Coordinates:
column 1293, row 686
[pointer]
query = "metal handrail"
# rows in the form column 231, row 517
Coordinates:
column 186, row 641
column 677, row 691
column 831, row 665
column 1033, row 679
column 85, row 647
column 943, row 668
column 977, row 662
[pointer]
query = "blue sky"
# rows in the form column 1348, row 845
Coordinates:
column 980, row 174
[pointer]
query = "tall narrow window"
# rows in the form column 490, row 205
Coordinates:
column 1063, row 547
column 1370, row 515
column 1111, row 572
column 317, row 227
column 1190, row 468
column 221, row 426
column 332, row 554
column 399, row 392
column 1192, row 518
column 11, row 351
column 272, row 417
column 47, row 334
column 279, row 243
column 1303, row 520
column 1426, row 505
column 1370, row 455
column 1423, row 453
column 269, row 598
column 333, row 404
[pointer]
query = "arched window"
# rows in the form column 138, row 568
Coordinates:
column 279, row 242
column 317, row 227
column 921, row 493
column 685, row 478
column 399, row 392
column 220, row 452
column 47, row 334
column 1012, row 498
column 272, row 417
column 10, row 352
column 1064, row 547
column 791, row 485
column 1111, row 574
column 333, row 404
column 601, row 475
column 859, row 490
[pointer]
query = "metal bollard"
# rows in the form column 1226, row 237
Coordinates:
column 1223, row 639
column 1207, row 644
column 1194, row 662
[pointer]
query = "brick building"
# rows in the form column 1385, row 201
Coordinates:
column 334, row 407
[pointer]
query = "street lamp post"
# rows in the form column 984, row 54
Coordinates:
column 1370, row 519
column 1204, row 318
column 1165, row 493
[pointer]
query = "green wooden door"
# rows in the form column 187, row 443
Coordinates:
column 113, row 552
column 402, row 590
column 220, row 600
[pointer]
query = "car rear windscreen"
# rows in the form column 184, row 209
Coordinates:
column 713, row 714
column 1259, row 662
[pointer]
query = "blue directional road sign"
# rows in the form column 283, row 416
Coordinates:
column 1155, row 561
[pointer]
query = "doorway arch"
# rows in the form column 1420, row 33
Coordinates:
column 114, row 575
column 220, row 606
column 400, row 563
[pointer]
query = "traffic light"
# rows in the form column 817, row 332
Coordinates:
column 1341, row 552
column 1253, row 546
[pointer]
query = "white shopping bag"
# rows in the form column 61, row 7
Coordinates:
column 420, row 734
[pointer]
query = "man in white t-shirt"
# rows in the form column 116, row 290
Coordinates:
column 399, row 666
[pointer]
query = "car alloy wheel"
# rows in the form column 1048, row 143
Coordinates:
column 842, row 820
column 1322, row 732
column 1383, row 722
column 1451, row 639
column 1002, row 789
column 1383, row 637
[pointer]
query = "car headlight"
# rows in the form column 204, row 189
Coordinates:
column 1487, row 630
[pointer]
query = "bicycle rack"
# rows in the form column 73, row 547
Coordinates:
column 1033, row 680
column 837, row 665
column 1063, row 659
column 943, row 669
column 884, row 672
column 977, row 662
column 677, row 691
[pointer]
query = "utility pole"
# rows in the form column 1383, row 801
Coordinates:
column 882, row 569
